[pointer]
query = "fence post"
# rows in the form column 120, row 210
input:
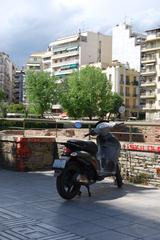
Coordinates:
column 56, row 129
column 24, row 127
column 130, row 133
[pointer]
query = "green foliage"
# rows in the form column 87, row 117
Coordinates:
column 41, row 91
column 141, row 178
column 85, row 93
column 3, row 105
column 113, row 102
column 2, row 95
column 16, row 108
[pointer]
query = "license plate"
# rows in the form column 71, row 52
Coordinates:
column 59, row 163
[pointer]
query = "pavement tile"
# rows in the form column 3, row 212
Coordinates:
column 30, row 206
column 83, row 228
column 138, row 230
column 109, row 235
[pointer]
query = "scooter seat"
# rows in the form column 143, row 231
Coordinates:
column 87, row 146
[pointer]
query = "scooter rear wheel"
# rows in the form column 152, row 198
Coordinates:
column 67, row 186
column 118, row 180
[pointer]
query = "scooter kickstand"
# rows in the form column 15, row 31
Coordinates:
column 79, row 193
column 88, row 189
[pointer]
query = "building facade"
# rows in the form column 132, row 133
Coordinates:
column 126, row 45
column 150, row 75
column 125, row 82
column 7, row 71
column 71, row 52
column 18, row 87
column 35, row 61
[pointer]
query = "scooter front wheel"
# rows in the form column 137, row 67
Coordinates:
column 66, row 183
column 118, row 180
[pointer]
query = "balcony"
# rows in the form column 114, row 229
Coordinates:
column 151, row 47
column 65, row 54
column 149, row 107
column 63, row 73
column 147, row 95
column 148, row 71
column 65, row 63
column 149, row 59
column 148, row 84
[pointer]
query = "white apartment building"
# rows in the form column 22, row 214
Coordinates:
column 69, row 53
column 150, row 75
column 126, row 45
column 47, row 62
column 7, row 71
column 125, row 82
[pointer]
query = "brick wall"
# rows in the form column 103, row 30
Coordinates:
column 24, row 154
column 141, row 162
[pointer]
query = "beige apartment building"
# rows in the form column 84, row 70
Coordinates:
column 69, row 53
column 35, row 61
column 150, row 75
column 125, row 82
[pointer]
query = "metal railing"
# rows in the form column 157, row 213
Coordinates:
column 128, row 133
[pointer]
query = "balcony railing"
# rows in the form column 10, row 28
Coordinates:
column 148, row 84
column 148, row 95
column 149, row 59
column 148, row 107
column 149, row 71
column 65, row 54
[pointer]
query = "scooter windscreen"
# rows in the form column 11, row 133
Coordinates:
column 103, row 128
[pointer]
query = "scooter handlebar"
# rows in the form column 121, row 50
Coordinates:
column 86, row 135
column 92, row 133
column 121, row 123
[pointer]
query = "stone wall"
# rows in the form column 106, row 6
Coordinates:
column 140, row 163
column 140, row 158
column 25, row 154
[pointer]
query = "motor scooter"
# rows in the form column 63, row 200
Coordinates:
column 83, row 163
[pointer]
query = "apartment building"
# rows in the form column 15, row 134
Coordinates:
column 35, row 61
column 18, row 86
column 125, row 82
column 126, row 45
column 47, row 62
column 150, row 75
column 69, row 53
column 6, row 75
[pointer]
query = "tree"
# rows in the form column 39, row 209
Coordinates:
column 2, row 95
column 40, row 91
column 3, row 104
column 113, row 102
column 16, row 108
column 85, row 92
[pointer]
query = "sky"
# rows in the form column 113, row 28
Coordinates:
column 27, row 26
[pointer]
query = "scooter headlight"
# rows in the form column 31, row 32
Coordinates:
column 74, row 154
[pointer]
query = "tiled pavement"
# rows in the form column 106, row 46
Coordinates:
column 30, row 208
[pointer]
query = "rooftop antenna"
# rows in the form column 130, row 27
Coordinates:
column 125, row 19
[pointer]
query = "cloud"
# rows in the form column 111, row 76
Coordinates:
column 30, row 25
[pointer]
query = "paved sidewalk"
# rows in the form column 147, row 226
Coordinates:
column 30, row 208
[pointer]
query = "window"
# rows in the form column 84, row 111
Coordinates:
column 127, row 80
column 121, row 79
column 127, row 91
